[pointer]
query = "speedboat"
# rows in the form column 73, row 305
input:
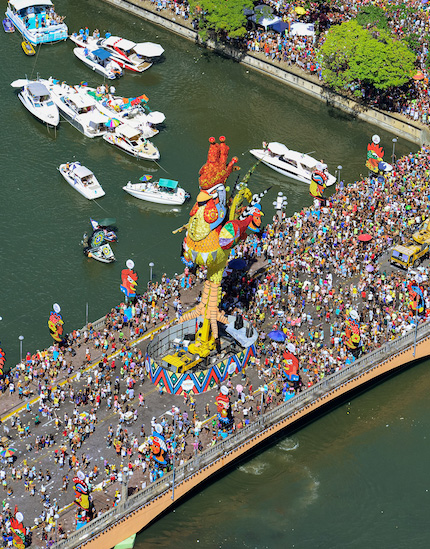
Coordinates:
column 37, row 21
column 36, row 98
column 103, row 253
column 164, row 191
column 8, row 25
column 82, row 179
column 132, row 56
column 130, row 111
column 131, row 141
column 100, row 61
column 293, row 164
column 77, row 109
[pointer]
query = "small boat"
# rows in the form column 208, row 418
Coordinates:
column 37, row 21
column 100, row 61
column 77, row 109
column 293, row 164
column 82, row 179
column 164, row 191
column 28, row 48
column 132, row 56
column 36, row 98
column 131, row 141
column 8, row 25
column 103, row 253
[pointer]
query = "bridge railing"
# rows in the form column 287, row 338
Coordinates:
column 209, row 456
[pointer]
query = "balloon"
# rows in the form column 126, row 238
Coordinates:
column 224, row 390
column 129, row 263
column 376, row 139
column 19, row 517
column 56, row 307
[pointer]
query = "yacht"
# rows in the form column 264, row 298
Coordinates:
column 99, row 61
column 79, row 111
column 132, row 56
column 36, row 98
column 164, row 191
column 81, row 179
column 293, row 164
column 37, row 21
column 131, row 141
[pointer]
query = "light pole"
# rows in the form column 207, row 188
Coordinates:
column 393, row 156
column 150, row 271
column 56, row 517
column 280, row 204
column 173, row 413
column 339, row 169
column 21, row 339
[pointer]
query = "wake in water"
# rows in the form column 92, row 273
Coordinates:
column 254, row 468
column 288, row 445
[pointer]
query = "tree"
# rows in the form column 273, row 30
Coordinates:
column 372, row 16
column 353, row 55
column 221, row 16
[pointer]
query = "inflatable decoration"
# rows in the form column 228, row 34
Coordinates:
column 158, row 448
column 223, row 408
column 290, row 366
column 375, row 155
column 18, row 531
column 352, row 333
column 2, row 361
column 128, row 282
column 218, row 221
column 417, row 303
column 318, row 184
column 55, row 325
column 82, row 493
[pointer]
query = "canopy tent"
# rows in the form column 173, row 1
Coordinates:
column 149, row 49
column 302, row 29
column 37, row 89
column 82, row 171
column 127, row 131
column 168, row 184
column 101, row 54
column 280, row 26
column 259, row 19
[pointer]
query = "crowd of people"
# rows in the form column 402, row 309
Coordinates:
column 304, row 276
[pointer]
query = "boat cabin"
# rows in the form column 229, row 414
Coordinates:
column 129, row 134
column 39, row 93
column 293, row 159
column 120, row 45
column 100, row 56
column 84, row 175
column 168, row 185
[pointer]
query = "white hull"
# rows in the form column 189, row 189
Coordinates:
column 48, row 114
column 150, row 153
column 285, row 168
column 158, row 197
column 90, row 191
column 46, row 35
column 107, row 72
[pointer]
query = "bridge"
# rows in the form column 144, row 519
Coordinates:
column 144, row 507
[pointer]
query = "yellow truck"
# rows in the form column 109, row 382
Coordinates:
column 409, row 255
column 422, row 236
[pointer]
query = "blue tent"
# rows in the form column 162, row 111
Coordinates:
column 279, row 26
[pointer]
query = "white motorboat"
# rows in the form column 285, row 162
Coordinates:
column 131, row 141
column 77, row 109
column 36, row 98
column 100, row 61
column 82, row 179
column 132, row 56
column 293, row 164
column 164, row 191
column 130, row 111
column 37, row 21
column 103, row 253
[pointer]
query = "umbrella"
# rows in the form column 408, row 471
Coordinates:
column 370, row 268
column 364, row 237
column 155, row 117
column 419, row 76
column 112, row 123
column 237, row 264
column 276, row 335
column 145, row 178
column 149, row 49
column 300, row 11
column 9, row 452
column 239, row 388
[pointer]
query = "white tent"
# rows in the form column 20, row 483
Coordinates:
column 263, row 21
column 302, row 29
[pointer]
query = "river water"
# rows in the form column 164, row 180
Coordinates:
column 344, row 481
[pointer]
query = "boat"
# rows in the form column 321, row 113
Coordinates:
column 103, row 253
column 8, row 25
column 127, row 110
column 78, row 110
column 164, row 191
column 131, row 141
column 37, row 99
column 100, row 61
column 82, row 179
column 131, row 56
column 293, row 164
column 37, row 21
column 28, row 48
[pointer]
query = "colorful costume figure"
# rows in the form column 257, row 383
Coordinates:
column 218, row 221
column 2, row 361
column 128, row 282
column 318, row 184
column 82, row 494
column 223, row 409
column 158, row 448
column 18, row 532
column 55, row 325
column 290, row 366
column 352, row 335
column 417, row 303
column 375, row 154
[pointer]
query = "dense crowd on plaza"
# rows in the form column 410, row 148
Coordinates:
column 312, row 272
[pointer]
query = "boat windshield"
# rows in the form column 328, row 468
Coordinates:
column 289, row 161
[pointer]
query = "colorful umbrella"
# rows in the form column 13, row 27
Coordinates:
column 364, row 237
column 299, row 10
column 112, row 123
column 276, row 335
column 145, row 178
column 9, row 452
column 419, row 76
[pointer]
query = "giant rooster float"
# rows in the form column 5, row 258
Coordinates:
column 218, row 221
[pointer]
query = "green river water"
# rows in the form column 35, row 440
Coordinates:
column 353, row 479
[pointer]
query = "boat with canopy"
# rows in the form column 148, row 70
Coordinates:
column 164, row 191
column 37, row 21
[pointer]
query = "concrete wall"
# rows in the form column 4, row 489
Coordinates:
column 396, row 124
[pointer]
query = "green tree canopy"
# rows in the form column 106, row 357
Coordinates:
column 222, row 16
column 352, row 54
column 372, row 16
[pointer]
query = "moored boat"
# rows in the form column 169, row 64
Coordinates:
column 100, row 61
column 164, row 191
column 36, row 98
column 28, row 48
column 103, row 253
column 290, row 163
column 37, row 21
column 81, row 179
column 8, row 25
column 131, row 141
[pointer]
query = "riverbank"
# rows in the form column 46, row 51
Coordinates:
column 397, row 124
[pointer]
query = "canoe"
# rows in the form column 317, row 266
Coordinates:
column 8, row 25
column 28, row 48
